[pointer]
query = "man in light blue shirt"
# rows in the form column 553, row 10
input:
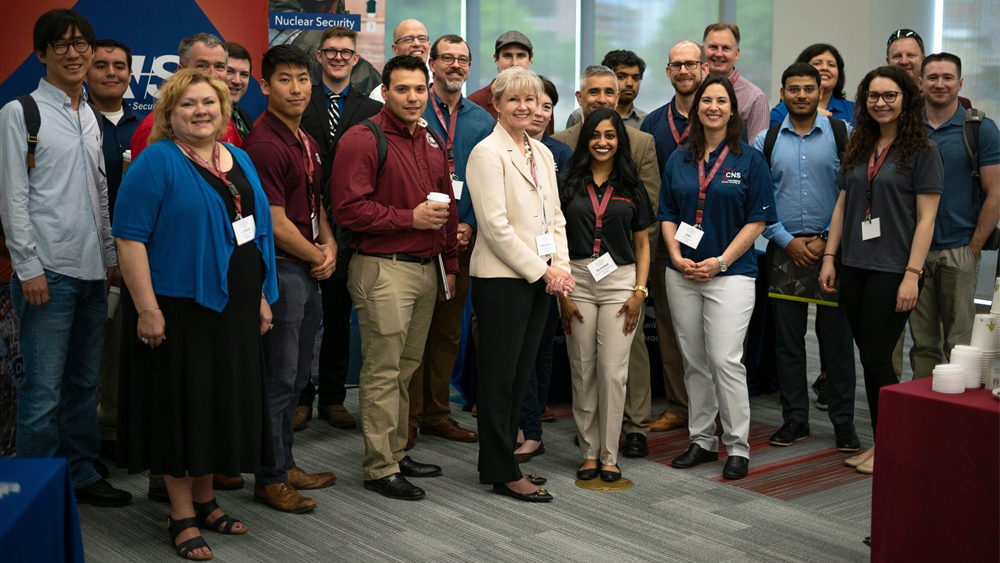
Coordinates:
column 54, row 209
column 804, row 163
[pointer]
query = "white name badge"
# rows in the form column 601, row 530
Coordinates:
column 870, row 229
column 315, row 222
column 601, row 267
column 457, row 186
column 245, row 230
column 546, row 244
column 688, row 235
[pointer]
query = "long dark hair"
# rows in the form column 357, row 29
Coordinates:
column 696, row 143
column 624, row 175
column 911, row 136
column 817, row 49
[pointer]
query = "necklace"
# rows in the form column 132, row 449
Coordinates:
column 527, row 150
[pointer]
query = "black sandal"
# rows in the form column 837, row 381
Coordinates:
column 176, row 527
column 223, row 524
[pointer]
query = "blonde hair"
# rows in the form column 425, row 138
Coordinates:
column 516, row 80
column 173, row 90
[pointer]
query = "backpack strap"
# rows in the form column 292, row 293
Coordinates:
column 769, row 140
column 440, row 142
column 839, row 135
column 32, row 122
column 381, row 144
column 970, row 136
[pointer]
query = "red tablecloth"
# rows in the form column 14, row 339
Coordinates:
column 936, row 489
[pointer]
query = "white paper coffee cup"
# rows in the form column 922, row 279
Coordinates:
column 438, row 197
column 126, row 160
column 114, row 298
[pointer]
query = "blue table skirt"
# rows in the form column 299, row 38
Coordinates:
column 38, row 518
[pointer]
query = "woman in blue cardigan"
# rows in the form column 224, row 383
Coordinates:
column 193, row 230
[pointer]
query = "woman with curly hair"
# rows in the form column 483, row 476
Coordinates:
column 891, row 179
column 833, row 101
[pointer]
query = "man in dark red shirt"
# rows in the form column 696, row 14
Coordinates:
column 513, row 48
column 393, row 279
column 288, row 163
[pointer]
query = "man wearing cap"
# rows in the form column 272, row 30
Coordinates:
column 722, row 49
column 409, row 38
column 905, row 48
column 513, row 48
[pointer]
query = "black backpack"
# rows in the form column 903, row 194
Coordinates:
column 33, row 122
column 970, row 136
column 839, row 136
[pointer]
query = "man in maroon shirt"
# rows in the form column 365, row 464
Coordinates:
column 288, row 162
column 393, row 279
column 513, row 48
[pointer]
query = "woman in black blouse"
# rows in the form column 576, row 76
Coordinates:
column 607, row 213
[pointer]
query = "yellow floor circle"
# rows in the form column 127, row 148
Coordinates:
column 622, row 484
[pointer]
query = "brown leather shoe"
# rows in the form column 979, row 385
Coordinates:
column 411, row 438
column 301, row 419
column 281, row 496
column 304, row 481
column 547, row 415
column 225, row 483
column 450, row 430
column 667, row 421
column 337, row 416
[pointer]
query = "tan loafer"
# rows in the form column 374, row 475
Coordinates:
column 450, row 430
column 411, row 438
column 667, row 421
column 303, row 481
column 225, row 483
column 337, row 416
column 281, row 496
column 301, row 419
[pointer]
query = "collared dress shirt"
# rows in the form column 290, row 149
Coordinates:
column 633, row 118
column 754, row 110
column 117, row 140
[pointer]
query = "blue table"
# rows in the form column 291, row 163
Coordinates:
column 38, row 519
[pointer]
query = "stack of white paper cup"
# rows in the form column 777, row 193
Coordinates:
column 995, row 309
column 985, row 337
column 971, row 360
column 948, row 378
column 992, row 379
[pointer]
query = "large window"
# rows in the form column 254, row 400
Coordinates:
column 440, row 17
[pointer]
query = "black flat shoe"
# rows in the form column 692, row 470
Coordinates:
column 541, row 495
column 694, row 455
column 101, row 469
column 410, row 468
column 101, row 493
column 867, row 541
column 395, row 486
column 611, row 476
column 736, row 467
column 158, row 494
column 588, row 474
column 536, row 479
column 635, row 445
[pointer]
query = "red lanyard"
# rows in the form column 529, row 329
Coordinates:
column 704, row 181
column 599, row 210
column 216, row 171
column 310, row 170
column 449, row 129
column 673, row 128
column 873, row 168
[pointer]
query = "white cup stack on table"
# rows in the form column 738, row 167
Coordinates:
column 948, row 378
column 971, row 360
column 986, row 337
column 995, row 309
column 992, row 378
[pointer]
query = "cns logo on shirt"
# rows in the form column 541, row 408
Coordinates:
column 730, row 176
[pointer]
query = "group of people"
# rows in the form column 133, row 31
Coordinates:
column 235, row 238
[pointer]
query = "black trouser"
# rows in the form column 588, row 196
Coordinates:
column 836, row 347
column 537, row 393
column 869, row 300
column 335, row 350
column 511, row 315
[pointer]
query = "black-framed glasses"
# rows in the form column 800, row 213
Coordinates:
column 449, row 60
column 407, row 39
column 889, row 96
column 903, row 33
column 795, row 89
column 332, row 54
column 62, row 47
column 690, row 65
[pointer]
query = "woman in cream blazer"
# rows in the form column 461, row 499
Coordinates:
column 512, row 182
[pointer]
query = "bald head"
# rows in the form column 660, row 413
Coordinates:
column 685, row 51
column 410, row 38
column 686, row 80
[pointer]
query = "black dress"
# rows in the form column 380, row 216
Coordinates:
column 198, row 402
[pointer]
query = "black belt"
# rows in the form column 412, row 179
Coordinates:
column 400, row 257
column 278, row 255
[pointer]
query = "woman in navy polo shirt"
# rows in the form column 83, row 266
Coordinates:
column 833, row 103
column 607, row 213
column 891, row 179
column 715, row 200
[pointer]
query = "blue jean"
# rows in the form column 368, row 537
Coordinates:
column 289, row 351
column 61, row 346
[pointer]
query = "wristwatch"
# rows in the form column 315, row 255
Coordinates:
column 824, row 235
column 722, row 264
column 642, row 288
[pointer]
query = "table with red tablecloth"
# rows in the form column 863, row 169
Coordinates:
column 936, row 488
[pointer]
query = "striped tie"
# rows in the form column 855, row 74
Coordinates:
column 334, row 110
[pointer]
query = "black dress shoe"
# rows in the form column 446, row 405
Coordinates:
column 611, row 476
column 536, row 479
column 541, row 495
column 101, row 493
column 867, row 541
column 847, row 437
column 736, row 467
column 395, row 486
column 158, row 494
column 635, row 445
column 790, row 432
column 410, row 468
column 101, row 469
column 588, row 474
column 693, row 456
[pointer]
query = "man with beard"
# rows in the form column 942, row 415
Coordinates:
column 409, row 38
column 629, row 69
column 461, row 124
column 722, row 49
column 238, row 69
column 669, row 127
column 804, row 160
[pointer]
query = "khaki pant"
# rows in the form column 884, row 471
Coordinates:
column 395, row 303
column 107, row 387
column 599, row 357
column 946, row 308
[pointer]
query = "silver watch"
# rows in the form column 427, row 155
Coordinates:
column 722, row 264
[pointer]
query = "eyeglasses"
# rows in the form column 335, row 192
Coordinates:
column 62, row 47
column 690, row 65
column 332, row 54
column 448, row 60
column 902, row 33
column 889, row 97
column 407, row 39
column 794, row 90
